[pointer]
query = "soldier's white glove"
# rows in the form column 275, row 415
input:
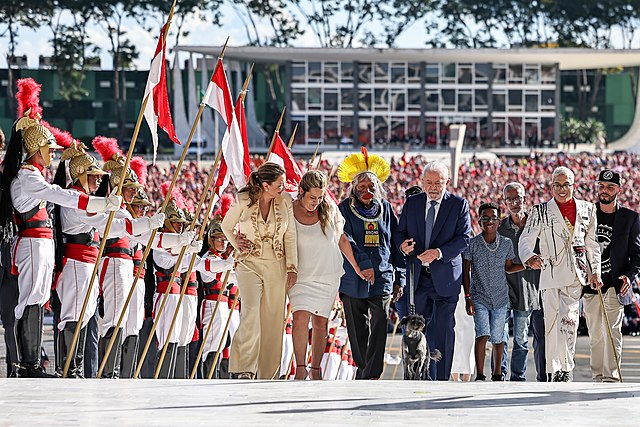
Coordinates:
column 104, row 204
column 229, row 263
column 194, row 247
column 157, row 220
column 174, row 240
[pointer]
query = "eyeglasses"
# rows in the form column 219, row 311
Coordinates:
column 512, row 200
column 220, row 239
column 564, row 186
column 485, row 219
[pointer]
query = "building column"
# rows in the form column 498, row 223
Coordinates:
column 423, row 102
column 490, row 129
column 356, row 107
column 288, row 69
column 556, row 125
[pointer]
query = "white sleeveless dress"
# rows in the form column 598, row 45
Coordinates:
column 319, row 266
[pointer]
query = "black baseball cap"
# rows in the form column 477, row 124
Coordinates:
column 607, row 175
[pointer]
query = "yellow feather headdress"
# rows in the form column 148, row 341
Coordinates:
column 358, row 163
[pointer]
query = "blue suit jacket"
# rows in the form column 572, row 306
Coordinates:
column 450, row 234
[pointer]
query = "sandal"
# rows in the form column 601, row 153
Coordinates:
column 318, row 371
column 306, row 372
column 244, row 376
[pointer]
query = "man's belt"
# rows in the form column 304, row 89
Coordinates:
column 47, row 223
column 82, row 239
column 120, row 251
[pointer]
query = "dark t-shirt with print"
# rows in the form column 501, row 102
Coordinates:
column 604, row 233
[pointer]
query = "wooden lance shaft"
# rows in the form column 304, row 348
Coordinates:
column 208, row 331
column 187, row 275
column 608, row 326
column 149, row 246
column 223, row 338
column 165, row 297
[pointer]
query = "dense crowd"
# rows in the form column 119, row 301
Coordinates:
column 479, row 180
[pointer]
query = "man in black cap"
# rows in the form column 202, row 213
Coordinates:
column 618, row 234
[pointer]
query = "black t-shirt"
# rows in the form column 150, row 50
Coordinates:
column 604, row 233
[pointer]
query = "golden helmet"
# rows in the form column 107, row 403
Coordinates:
column 139, row 199
column 215, row 229
column 116, row 166
column 81, row 164
column 36, row 137
column 173, row 214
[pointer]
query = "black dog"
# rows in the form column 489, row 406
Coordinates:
column 415, row 349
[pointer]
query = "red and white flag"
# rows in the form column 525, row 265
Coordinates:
column 281, row 155
column 223, row 173
column 235, row 151
column 157, row 111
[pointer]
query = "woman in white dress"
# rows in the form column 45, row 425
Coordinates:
column 321, row 244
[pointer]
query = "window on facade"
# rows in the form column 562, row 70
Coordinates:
column 465, row 74
column 381, row 72
column 331, row 73
column 531, row 102
column 364, row 72
column 381, row 127
column 364, row 99
column 346, row 70
column 381, row 99
column 299, row 72
column 330, row 130
column 398, row 100
column 547, row 99
column 300, row 137
column 465, row 101
column 532, row 74
column 548, row 74
column 413, row 102
column 398, row 73
column 499, row 73
column 499, row 101
column 398, row 131
column 483, row 71
column 299, row 101
column 315, row 128
column 432, row 73
column 413, row 72
column 515, row 100
column 432, row 101
column 448, row 98
column 315, row 72
column 515, row 130
column 515, row 73
column 480, row 100
column 547, row 129
column 346, row 126
column 330, row 100
column 314, row 98
column 413, row 126
column 448, row 72
column 346, row 99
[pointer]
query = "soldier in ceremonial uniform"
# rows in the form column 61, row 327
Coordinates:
column 27, row 192
column 212, row 268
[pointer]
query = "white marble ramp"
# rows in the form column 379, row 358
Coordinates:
column 117, row 403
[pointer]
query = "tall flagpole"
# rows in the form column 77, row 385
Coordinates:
column 107, row 228
column 273, row 138
column 149, row 245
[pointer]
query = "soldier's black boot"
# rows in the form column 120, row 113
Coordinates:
column 208, row 363
column 29, row 342
column 182, row 357
column 169, row 363
column 129, row 357
column 112, row 367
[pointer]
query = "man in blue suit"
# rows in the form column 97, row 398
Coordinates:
column 435, row 227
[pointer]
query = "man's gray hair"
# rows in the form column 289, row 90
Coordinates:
column 437, row 166
column 563, row 171
column 513, row 186
column 378, row 192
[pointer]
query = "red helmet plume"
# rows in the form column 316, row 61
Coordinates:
column 106, row 147
column 28, row 97
column 181, row 202
column 226, row 200
column 139, row 166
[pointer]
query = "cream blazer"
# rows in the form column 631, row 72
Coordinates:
column 563, row 264
column 244, row 219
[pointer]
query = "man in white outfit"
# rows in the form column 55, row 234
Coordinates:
column 569, row 258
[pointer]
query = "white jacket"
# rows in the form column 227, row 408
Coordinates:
column 566, row 257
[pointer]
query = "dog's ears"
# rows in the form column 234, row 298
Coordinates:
column 404, row 320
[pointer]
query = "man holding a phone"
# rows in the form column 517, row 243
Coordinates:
column 618, row 234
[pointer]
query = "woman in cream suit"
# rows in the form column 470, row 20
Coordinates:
column 569, row 258
column 261, row 226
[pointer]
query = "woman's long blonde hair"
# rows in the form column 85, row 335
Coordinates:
column 316, row 179
column 266, row 173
